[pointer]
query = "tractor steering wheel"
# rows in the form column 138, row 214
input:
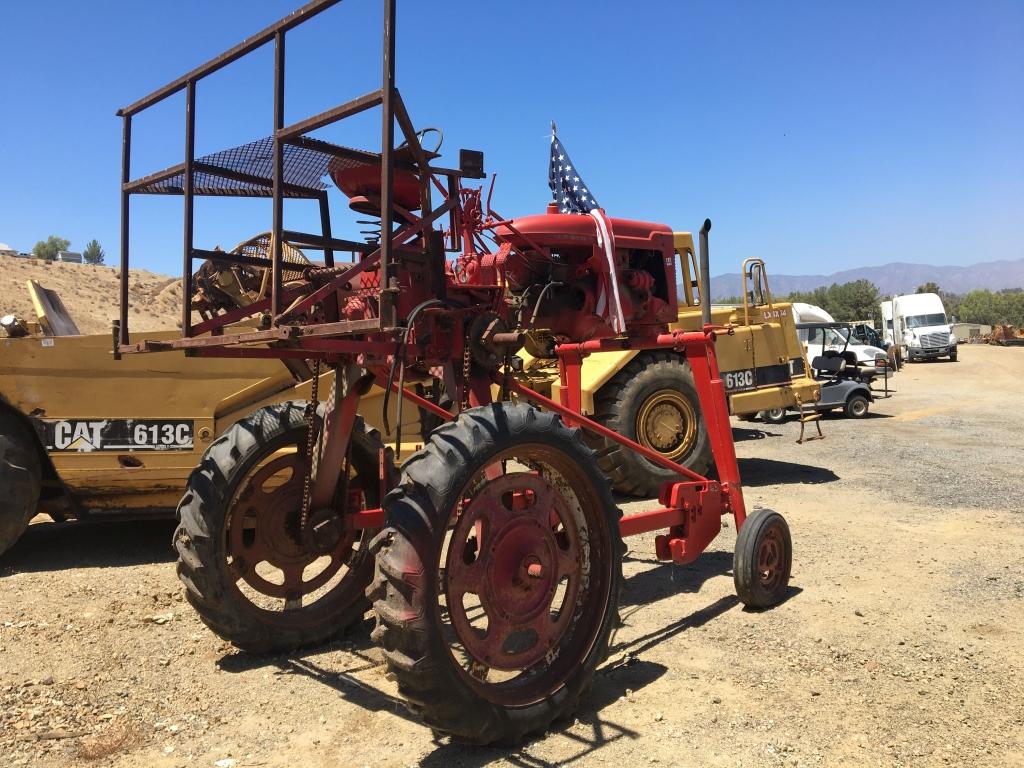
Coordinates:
column 421, row 134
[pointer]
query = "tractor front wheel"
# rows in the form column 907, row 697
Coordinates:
column 20, row 477
column 763, row 559
column 255, row 577
column 498, row 574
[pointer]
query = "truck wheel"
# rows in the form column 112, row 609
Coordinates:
column 20, row 478
column 252, row 576
column 952, row 355
column 498, row 575
column 856, row 406
column 763, row 559
column 774, row 415
column 653, row 401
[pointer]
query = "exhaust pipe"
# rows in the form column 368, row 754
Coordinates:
column 705, row 273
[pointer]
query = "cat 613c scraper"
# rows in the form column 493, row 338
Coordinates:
column 85, row 436
column 494, row 562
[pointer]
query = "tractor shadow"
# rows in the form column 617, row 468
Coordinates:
column 343, row 678
column 665, row 579
column 588, row 731
column 592, row 726
column 757, row 472
column 49, row 546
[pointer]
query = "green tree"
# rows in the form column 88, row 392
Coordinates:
column 928, row 287
column 93, row 253
column 50, row 247
column 857, row 300
column 979, row 307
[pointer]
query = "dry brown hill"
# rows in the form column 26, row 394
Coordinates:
column 90, row 294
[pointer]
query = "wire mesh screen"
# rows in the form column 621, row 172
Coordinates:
column 248, row 171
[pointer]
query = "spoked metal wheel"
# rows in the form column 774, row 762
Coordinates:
column 763, row 559
column 256, row 575
column 498, row 576
column 265, row 546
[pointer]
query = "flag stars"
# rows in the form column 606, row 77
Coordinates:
column 569, row 192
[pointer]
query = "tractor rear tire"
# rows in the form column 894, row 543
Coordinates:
column 654, row 402
column 20, row 479
column 763, row 560
column 502, row 508
column 232, row 596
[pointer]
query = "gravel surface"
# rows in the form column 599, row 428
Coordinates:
column 898, row 646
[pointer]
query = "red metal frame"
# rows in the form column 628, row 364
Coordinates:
column 371, row 326
column 691, row 509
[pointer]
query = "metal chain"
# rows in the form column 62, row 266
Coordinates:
column 307, row 482
column 467, row 363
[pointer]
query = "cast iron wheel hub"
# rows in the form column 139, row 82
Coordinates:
column 263, row 527
column 514, row 543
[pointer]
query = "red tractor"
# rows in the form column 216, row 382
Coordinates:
column 493, row 562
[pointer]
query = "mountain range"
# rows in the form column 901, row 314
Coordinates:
column 895, row 278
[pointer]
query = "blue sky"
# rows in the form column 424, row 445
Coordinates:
column 819, row 136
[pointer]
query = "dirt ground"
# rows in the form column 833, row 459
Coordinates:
column 90, row 294
column 899, row 645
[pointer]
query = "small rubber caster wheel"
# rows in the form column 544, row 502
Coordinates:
column 763, row 559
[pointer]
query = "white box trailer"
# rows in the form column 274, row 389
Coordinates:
column 917, row 324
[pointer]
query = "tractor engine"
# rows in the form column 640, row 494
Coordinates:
column 563, row 277
column 583, row 277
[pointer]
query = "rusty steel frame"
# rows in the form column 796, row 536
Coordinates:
column 382, row 257
column 691, row 509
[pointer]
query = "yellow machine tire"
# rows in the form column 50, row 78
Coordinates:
column 627, row 403
column 20, row 478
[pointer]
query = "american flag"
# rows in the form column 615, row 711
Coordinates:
column 570, row 193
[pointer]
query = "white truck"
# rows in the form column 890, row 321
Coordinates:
column 916, row 323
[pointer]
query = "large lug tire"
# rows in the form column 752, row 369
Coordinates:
column 498, row 574
column 856, row 407
column 253, row 578
column 20, row 478
column 763, row 560
column 654, row 402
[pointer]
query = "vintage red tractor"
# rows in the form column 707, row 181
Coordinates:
column 493, row 562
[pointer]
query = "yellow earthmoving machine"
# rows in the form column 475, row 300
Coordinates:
column 85, row 436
